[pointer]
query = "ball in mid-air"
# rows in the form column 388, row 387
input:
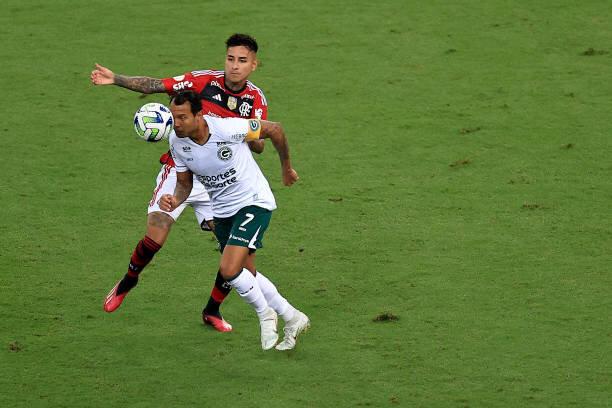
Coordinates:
column 153, row 122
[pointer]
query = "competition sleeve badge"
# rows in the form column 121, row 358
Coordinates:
column 254, row 129
column 232, row 102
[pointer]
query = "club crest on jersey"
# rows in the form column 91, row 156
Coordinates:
column 254, row 125
column 224, row 153
column 232, row 102
column 245, row 109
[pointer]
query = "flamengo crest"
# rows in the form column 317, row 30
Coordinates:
column 245, row 109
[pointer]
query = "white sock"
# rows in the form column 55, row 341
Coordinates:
column 246, row 286
column 274, row 299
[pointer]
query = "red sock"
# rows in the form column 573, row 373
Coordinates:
column 142, row 255
column 217, row 295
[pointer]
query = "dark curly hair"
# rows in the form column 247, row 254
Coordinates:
column 188, row 96
column 242, row 39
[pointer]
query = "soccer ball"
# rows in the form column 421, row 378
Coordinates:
column 153, row 122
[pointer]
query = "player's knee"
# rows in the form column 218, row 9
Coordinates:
column 159, row 220
column 229, row 272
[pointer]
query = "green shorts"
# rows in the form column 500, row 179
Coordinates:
column 245, row 228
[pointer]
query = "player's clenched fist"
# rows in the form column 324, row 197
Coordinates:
column 290, row 176
column 168, row 202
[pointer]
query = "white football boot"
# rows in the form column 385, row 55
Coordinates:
column 269, row 334
column 300, row 323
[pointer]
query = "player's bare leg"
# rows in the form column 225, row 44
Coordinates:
column 158, row 229
column 232, row 269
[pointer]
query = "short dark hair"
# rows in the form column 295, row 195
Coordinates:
column 242, row 39
column 188, row 96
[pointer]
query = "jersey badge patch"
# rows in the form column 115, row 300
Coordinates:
column 254, row 130
column 254, row 125
column 232, row 103
column 224, row 153
column 245, row 109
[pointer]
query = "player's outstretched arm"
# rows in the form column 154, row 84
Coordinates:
column 184, row 183
column 104, row 76
column 274, row 131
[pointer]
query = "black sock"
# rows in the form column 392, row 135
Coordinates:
column 217, row 296
column 127, row 283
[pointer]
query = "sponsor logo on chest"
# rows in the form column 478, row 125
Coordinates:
column 220, row 180
column 182, row 85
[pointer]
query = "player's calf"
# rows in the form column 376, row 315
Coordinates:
column 143, row 253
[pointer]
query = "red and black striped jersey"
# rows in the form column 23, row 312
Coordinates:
column 217, row 100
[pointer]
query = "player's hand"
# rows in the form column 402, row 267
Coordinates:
column 290, row 176
column 168, row 202
column 102, row 76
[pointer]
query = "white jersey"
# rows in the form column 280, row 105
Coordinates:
column 225, row 165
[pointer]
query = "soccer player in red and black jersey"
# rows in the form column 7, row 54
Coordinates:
column 226, row 93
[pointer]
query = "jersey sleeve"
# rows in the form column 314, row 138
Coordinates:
column 179, row 164
column 260, row 106
column 186, row 82
column 235, row 130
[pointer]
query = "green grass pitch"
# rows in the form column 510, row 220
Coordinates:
column 450, row 236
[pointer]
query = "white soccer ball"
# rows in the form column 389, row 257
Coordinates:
column 153, row 122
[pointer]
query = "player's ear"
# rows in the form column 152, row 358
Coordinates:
column 255, row 64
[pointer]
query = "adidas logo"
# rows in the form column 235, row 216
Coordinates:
column 217, row 97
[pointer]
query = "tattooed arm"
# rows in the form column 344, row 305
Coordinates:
column 104, row 76
column 144, row 85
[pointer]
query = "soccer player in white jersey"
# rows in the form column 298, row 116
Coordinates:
column 215, row 150
column 226, row 93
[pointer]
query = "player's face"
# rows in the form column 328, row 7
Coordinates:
column 185, row 122
column 239, row 63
